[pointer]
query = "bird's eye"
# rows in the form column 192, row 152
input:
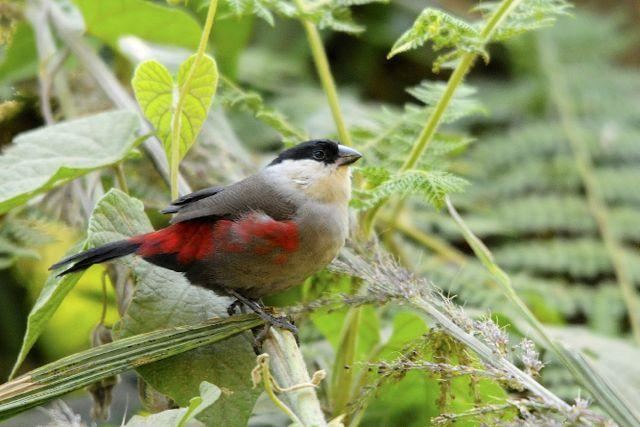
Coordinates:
column 319, row 155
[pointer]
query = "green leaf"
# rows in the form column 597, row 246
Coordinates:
column 111, row 19
column 53, row 293
column 433, row 185
column 86, row 367
column 209, row 393
column 527, row 16
column 330, row 324
column 20, row 59
column 235, row 97
column 407, row 326
column 42, row 159
column 158, row 95
column 440, row 28
column 164, row 298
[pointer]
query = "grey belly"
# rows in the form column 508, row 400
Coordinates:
column 257, row 275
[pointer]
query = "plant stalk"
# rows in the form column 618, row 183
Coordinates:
column 455, row 80
column 343, row 368
column 326, row 78
column 439, row 246
column 433, row 122
column 613, row 403
column 289, row 369
column 595, row 200
column 176, row 122
column 111, row 87
column 121, row 177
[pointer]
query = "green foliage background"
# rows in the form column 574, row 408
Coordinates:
column 504, row 152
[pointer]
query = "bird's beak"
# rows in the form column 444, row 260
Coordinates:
column 347, row 156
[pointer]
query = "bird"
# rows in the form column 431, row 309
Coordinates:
column 253, row 238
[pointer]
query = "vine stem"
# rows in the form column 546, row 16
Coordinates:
column 595, row 200
column 456, row 78
column 342, row 380
column 176, row 121
column 433, row 122
column 324, row 73
column 121, row 177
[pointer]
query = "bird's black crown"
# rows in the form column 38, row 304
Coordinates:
column 320, row 150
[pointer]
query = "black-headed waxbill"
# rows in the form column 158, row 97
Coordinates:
column 256, row 237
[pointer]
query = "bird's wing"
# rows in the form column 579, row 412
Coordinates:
column 250, row 194
column 187, row 199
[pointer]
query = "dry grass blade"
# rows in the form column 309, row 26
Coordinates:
column 79, row 370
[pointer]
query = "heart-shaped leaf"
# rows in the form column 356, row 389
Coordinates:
column 158, row 95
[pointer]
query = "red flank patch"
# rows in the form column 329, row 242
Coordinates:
column 198, row 239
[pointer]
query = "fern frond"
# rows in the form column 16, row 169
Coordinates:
column 527, row 16
column 389, row 134
column 554, row 175
column 583, row 258
column 551, row 299
column 611, row 144
column 443, row 31
column 233, row 96
column 463, row 104
column 432, row 185
column 326, row 14
column 536, row 215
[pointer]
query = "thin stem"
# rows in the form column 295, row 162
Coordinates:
column 176, row 122
column 343, row 372
column 439, row 246
column 595, row 201
column 121, row 177
column 456, row 78
column 110, row 85
column 590, row 379
column 326, row 78
column 271, row 388
column 433, row 122
column 105, row 302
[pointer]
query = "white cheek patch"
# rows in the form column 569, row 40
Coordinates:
column 326, row 183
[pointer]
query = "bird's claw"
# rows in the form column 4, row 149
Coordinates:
column 282, row 322
column 231, row 310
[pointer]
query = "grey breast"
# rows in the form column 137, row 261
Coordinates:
column 322, row 232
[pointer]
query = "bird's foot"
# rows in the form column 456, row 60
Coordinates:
column 282, row 322
column 237, row 304
column 261, row 332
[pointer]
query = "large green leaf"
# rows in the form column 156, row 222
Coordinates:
column 82, row 369
column 111, row 19
column 44, row 158
column 20, row 59
column 158, row 95
column 50, row 298
column 209, row 393
column 164, row 298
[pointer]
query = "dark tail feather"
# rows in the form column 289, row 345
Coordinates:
column 104, row 253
